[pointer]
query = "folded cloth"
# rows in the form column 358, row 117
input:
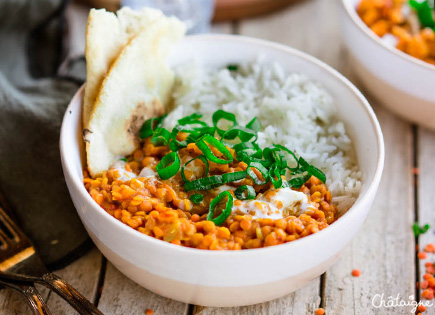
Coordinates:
column 32, row 103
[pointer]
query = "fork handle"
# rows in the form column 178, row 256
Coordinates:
column 34, row 299
column 71, row 295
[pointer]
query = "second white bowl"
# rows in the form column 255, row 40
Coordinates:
column 400, row 82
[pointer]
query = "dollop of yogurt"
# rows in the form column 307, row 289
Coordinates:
column 125, row 175
column 275, row 204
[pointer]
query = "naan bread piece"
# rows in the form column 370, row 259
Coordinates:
column 106, row 35
column 136, row 88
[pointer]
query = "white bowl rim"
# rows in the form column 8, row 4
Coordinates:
column 264, row 250
column 350, row 10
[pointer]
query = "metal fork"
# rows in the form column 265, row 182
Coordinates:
column 21, row 267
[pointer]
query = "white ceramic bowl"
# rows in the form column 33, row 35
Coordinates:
column 404, row 84
column 231, row 278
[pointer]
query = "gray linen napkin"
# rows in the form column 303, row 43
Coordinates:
column 32, row 103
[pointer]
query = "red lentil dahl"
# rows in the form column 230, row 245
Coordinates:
column 162, row 208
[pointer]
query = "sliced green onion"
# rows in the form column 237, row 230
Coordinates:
column 312, row 170
column 204, row 183
column 149, row 126
column 240, row 192
column 191, row 118
column 173, row 146
column 232, row 177
column 212, row 141
column 161, row 137
column 233, row 67
column 193, row 133
column 244, row 134
column 168, row 165
column 254, row 124
column 254, row 176
column 283, row 148
column 424, row 12
column 214, row 181
column 248, row 149
column 274, row 171
column 245, row 146
column 123, row 159
column 203, row 159
column 225, row 213
column 197, row 198
column 297, row 182
column 249, row 159
column 295, row 171
column 275, row 155
column 221, row 114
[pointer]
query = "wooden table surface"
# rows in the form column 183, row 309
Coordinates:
column 384, row 249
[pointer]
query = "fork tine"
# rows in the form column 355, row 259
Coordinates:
column 10, row 225
column 4, row 239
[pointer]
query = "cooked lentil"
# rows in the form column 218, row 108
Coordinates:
column 162, row 208
column 427, row 285
column 389, row 18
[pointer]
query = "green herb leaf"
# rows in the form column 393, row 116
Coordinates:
column 203, row 145
column 240, row 192
column 150, row 125
column 226, row 211
column 197, row 198
column 424, row 12
column 263, row 171
column 418, row 230
column 161, row 137
column 233, row 67
column 214, row 181
column 203, row 159
column 168, row 165
column 221, row 114
column 254, row 124
column 312, row 170
column 297, row 182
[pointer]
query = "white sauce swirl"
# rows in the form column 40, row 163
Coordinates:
column 284, row 203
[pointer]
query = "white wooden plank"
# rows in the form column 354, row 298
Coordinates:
column 426, row 189
column 303, row 301
column 83, row 275
column 120, row 295
column 310, row 25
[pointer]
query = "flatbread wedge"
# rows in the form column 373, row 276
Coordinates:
column 106, row 36
column 136, row 87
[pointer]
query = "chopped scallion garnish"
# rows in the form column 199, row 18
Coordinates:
column 206, row 141
column 264, row 165
column 233, row 67
column 168, row 166
column 225, row 212
column 197, row 198
column 260, row 168
column 245, row 192
column 223, row 115
column 149, row 126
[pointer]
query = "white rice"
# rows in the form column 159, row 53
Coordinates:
column 294, row 111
